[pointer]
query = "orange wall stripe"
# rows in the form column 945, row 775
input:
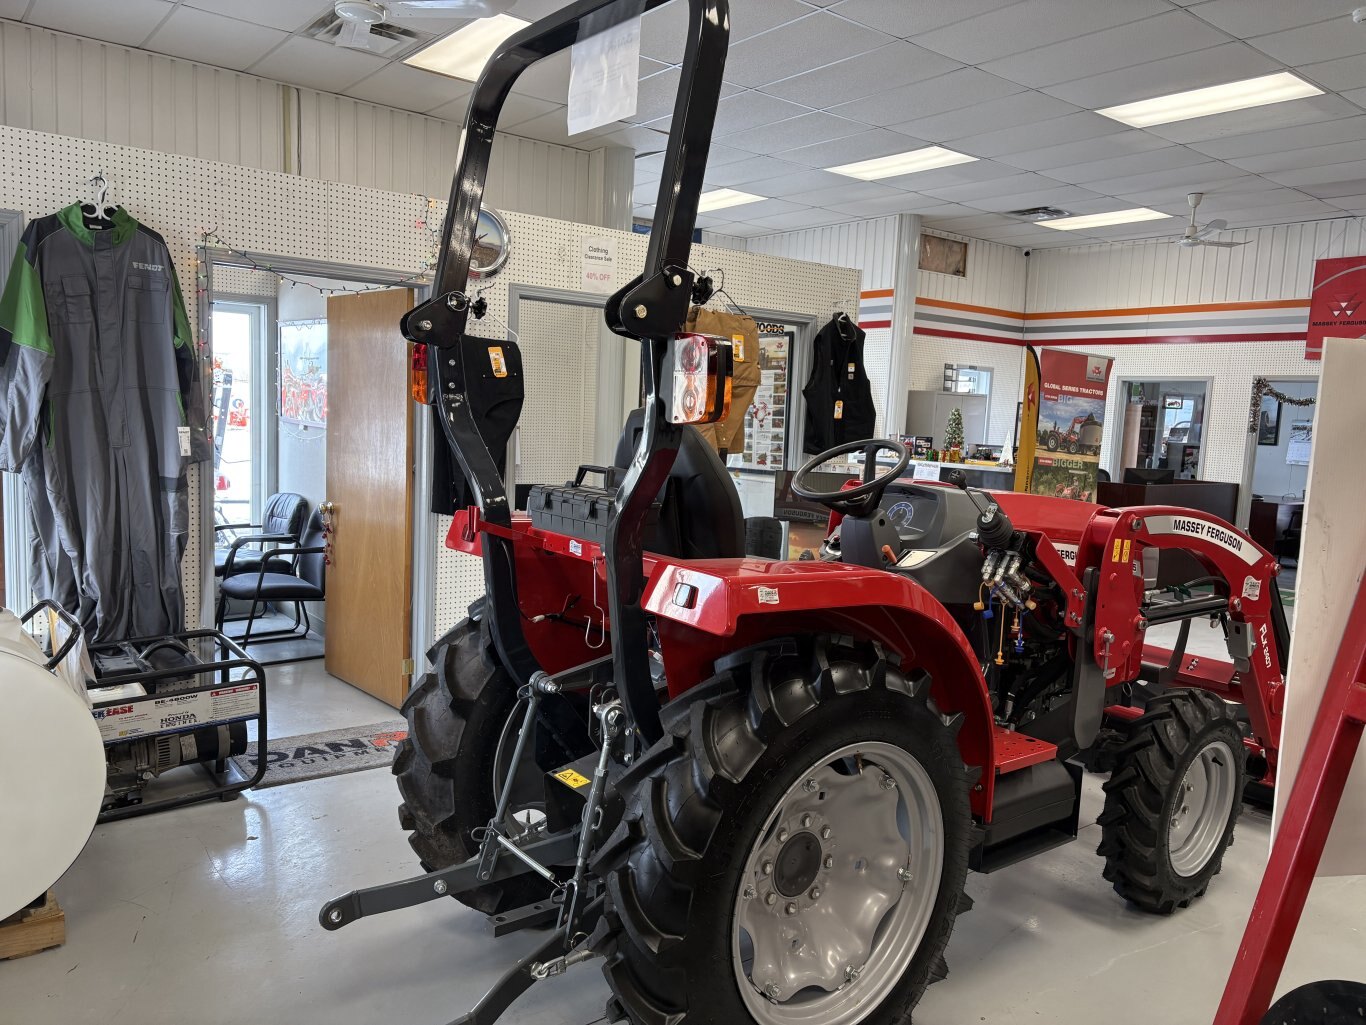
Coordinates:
column 1273, row 304
column 876, row 293
column 968, row 308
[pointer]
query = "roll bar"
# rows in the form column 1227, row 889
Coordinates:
column 651, row 308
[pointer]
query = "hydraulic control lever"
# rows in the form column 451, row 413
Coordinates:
column 994, row 528
column 1002, row 571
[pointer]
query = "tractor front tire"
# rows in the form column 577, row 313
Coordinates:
column 1172, row 800
column 795, row 845
column 457, row 715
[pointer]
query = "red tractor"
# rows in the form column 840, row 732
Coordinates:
column 1083, row 436
column 755, row 788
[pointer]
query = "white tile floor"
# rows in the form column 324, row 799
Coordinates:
column 209, row 915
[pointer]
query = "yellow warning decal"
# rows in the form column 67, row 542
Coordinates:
column 737, row 343
column 570, row 778
column 1126, row 551
column 1115, row 555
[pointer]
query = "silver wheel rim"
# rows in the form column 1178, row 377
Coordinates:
column 826, row 944
column 1200, row 812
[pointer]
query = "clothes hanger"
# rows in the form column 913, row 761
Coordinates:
column 98, row 210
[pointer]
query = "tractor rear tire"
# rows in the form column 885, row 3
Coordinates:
column 457, row 715
column 1052, row 441
column 746, row 758
column 1173, row 799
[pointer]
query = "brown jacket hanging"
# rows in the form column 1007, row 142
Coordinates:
column 743, row 332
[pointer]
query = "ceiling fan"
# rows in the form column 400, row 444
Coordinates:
column 358, row 17
column 1198, row 236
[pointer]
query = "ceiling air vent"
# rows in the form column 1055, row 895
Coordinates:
column 388, row 39
column 1038, row 213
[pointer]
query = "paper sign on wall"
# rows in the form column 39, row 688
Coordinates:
column 1337, row 303
column 599, row 264
column 604, row 70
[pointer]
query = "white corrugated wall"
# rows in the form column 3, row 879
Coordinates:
column 67, row 85
column 868, row 245
column 995, row 278
column 1278, row 263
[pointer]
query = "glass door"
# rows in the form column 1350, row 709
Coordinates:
column 238, row 335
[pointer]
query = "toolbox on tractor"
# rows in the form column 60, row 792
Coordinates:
column 754, row 788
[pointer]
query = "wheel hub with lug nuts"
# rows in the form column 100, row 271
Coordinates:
column 846, row 871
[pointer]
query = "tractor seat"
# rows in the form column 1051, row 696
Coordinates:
column 700, row 514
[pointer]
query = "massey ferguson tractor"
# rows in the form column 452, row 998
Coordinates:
column 1083, row 436
column 759, row 800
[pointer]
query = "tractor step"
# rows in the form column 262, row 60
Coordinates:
column 1036, row 809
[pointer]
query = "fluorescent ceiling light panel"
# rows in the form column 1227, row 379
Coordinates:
column 719, row 199
column 926, row 159
column 1081, row 221
column 464, row 52
column 1214, row 99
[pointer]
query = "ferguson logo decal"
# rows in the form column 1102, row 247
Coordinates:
column 1188, row 526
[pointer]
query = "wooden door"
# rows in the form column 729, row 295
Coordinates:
column 369, row 486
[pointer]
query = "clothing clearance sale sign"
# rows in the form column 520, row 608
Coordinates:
column 1337, row 305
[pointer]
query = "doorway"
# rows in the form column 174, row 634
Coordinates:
column 1279, row 472
column 242, row 465
column 1163, row 427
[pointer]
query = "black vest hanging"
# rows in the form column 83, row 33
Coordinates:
column 839, row 396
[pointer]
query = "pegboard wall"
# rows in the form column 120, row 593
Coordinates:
column 547, row 253
column 243, row 281
column 260, row 211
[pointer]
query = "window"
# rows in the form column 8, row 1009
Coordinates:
column 967, row 380
column 237, row 334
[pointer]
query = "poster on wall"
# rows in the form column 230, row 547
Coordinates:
column 766, row 419
column 303, row 372
column 1301, row 442
column 1072, row 391
column 1337, row 303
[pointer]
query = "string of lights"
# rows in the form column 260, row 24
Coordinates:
column 212, row 243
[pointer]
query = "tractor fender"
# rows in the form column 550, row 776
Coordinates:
column 706, row 610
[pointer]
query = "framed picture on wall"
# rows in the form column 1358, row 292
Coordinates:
column 1269, row 422
column 303, row 372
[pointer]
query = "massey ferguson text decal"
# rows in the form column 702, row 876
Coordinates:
column 1186, row 526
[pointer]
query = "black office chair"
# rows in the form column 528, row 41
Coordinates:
column 281, row 523
column 1288, row 544
column 304, row 580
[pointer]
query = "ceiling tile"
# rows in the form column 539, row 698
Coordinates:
column 813, row 183
column 745, row 110
column 1357, row 96
column 1334, row 191
column 905, row 203
column 658, row 93
column 1069, row 197
column 663, row 29
column 1053, row 132
column 849, row 192
column 397, row 85
column 214, row 39
column 635, row 137
column 1283, row 160
column 316, row 65
column 875, row 143
column 1307, row 44
column 13, row 9
column 1151, row 39
column 743, row 230
column 554, row 127
column 1343, row 73
column 954, row 91
column 1005, row 112
column 547, row 79
column 1295, row 137
column 944, row 177
column 908, row 17
column 803, row 130
column 807, row 218
column 1030, row 24
column 1351, row 204
column 1258, row 119
column 1100, row 148
column 968, row 192
column 809, row 42
column 516, row 109
column 763, row 208
column 1227, row 63
column 750, row 169
column 1189, row 177
column 288, row 15
column 1099, row 171
column 1246, row 18
column 128, row 22
column 898, row 63
column 1350, row 171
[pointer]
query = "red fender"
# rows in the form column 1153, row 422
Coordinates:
column 708, row 609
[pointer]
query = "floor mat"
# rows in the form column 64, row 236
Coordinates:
column 331, row 753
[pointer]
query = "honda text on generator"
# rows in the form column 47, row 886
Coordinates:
column 762, row 804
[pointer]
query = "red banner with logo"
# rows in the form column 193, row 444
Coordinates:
column 1072, row 390
column 1337, row 305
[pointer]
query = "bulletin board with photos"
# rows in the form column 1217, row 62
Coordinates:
column 766, row 421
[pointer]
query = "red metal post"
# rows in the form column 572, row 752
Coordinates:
column 1299, row 844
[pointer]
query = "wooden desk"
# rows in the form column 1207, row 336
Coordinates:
column 1269, row 519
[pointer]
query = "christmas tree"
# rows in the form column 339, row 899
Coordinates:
column 953, row 430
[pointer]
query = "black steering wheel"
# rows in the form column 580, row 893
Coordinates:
column 863, row 498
